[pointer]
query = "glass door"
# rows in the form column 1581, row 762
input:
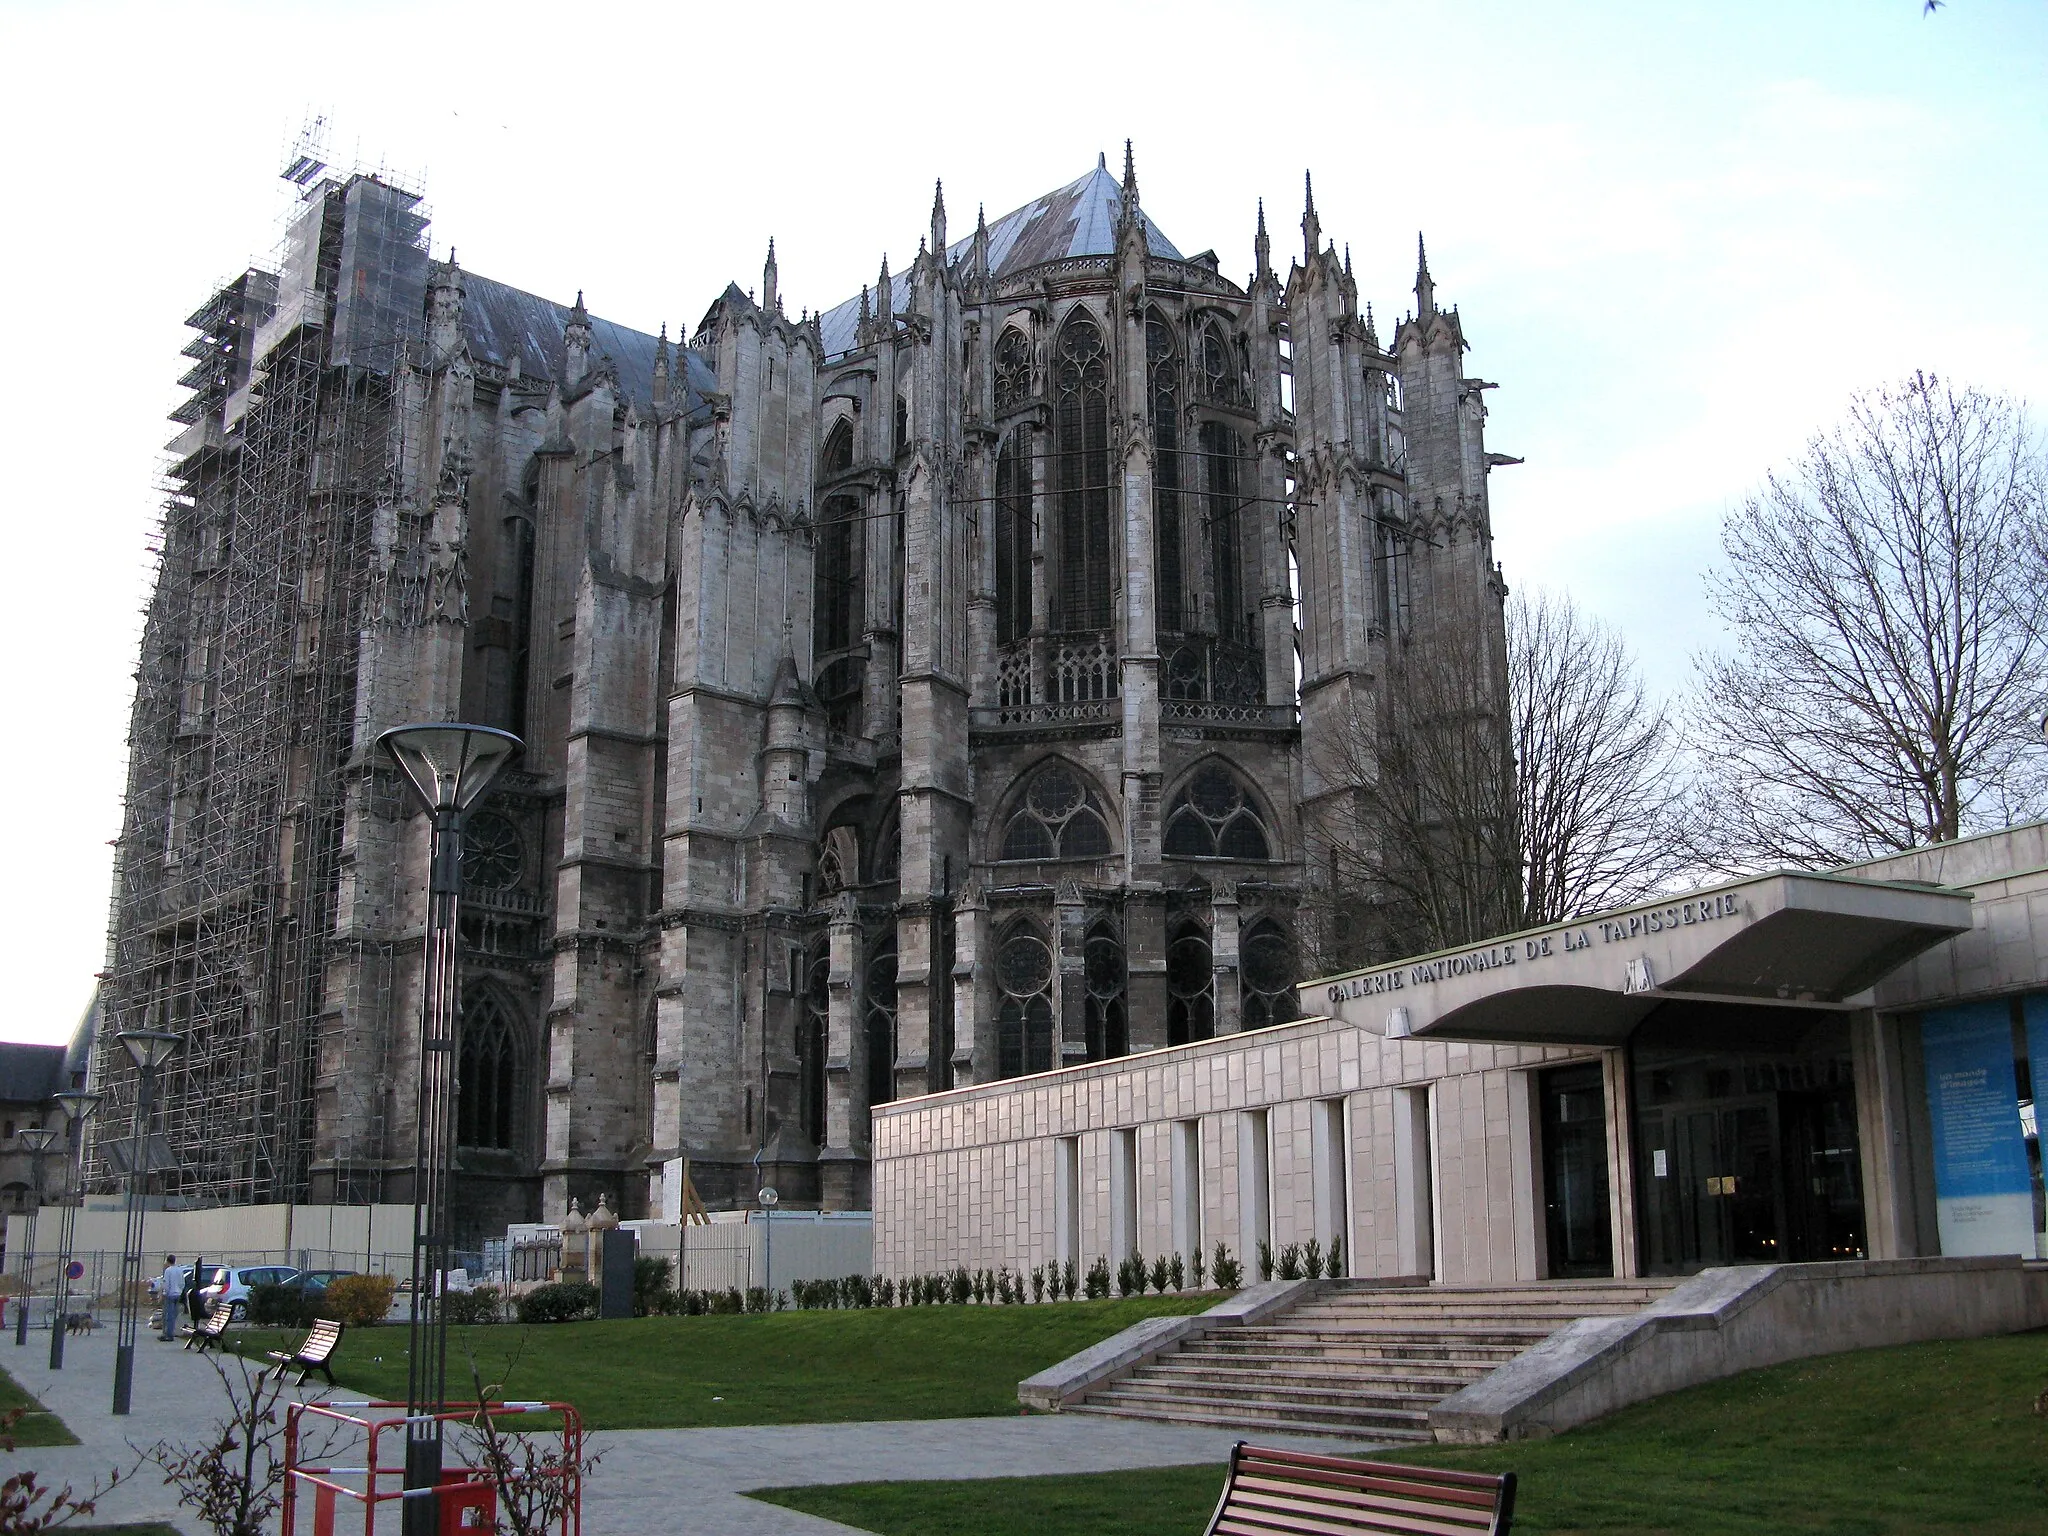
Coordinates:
column 1578, row 1227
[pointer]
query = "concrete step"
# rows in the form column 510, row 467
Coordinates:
column 1352, row 1397
column 1405, row 1375
column 1298, row 1421
column 1365, row 1351
column 1195, row 1357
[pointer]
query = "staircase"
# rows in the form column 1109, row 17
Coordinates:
column 1363, row 1362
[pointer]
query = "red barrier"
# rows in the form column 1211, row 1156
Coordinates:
column 468, row 1496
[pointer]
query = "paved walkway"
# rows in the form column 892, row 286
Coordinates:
column 689, row 1482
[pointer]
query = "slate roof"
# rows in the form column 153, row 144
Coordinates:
column 31, row 1073
column 1078, row 219
column 498, row 320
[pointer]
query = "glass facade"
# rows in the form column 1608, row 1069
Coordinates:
column 1578, row 1227
column 1745, row 1138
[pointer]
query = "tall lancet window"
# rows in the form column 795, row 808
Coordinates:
column 1013, row 370
column 1081, row 474
column 836, row 579
column 1162, row 365
column 1013, row 538
column 488, row 1078
column 1223, row 454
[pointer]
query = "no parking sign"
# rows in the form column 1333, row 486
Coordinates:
column 75, row 1270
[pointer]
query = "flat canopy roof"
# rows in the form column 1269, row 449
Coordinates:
column 1775, row 940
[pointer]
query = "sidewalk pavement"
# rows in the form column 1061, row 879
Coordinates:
column 690, row 1482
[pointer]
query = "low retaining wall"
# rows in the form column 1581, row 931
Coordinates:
column 1723, row 1321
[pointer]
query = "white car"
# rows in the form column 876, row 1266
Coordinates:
column 231, row 1286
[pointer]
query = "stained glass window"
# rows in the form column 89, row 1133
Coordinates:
column 1058, row 818
column 1081, row 474
column 1212, row 817
column 1024, row 1021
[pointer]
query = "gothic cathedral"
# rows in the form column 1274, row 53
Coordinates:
column 916, row 692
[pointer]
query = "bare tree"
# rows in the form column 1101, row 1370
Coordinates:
column 1477, row 814
column 1888, row 609
column 1417, row 824
column 1596, row 781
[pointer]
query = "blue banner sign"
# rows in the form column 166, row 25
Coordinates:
column 1983, row 1192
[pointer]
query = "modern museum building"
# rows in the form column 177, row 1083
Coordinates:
column 1783, row 1068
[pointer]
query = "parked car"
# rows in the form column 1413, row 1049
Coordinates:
column 230, row 1287
column 181, row 1277
column 317, row 1280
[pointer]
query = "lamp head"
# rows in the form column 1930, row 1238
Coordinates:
column 149, row 1048
column 449, row 765
column 78, row 1103
column 37, row 1138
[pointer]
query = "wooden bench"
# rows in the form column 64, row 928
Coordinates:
column 1272, row 1492
column 314, row 1354
column 211, row 1330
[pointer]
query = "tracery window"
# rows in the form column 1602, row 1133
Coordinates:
column 1266, row 975
column 1212, row 817
column 1081, row 474
column 839, row 687
column 1190, row 983
column 836, row 579
column 1013, row 370
column 1024, row 1020
column 1162, row 367
column 1221, row 380
column 881, row 1022
column 1013, row 538
column 839, row 449
column 1058, row 818
column 1107, row 977
column 488, row 1077
column 1223, row 453
column 812, row 1031
column 493, row 853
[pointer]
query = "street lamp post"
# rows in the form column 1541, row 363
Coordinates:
column 149, row 1049
column 78, row 1105
column 37, row 1139
column 449, row 767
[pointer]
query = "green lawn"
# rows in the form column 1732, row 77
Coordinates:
column 1926, row 1438
column 776, row 1368
column 38, row 1426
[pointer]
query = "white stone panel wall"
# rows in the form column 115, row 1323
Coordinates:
column 969, row 1177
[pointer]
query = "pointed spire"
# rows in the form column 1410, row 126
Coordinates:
column 1347, row 258
column 444, row 307
column 939, row 219
column 661, row 368
column 1425, row 290
column 866, row 314
column 1262, row 246
column 1130, row 176
column 885, row 295
column 1101, row 160
column 576, row 344
column 770, row 298
column 1311, row 226
column 978, row 259
column 1372, row 337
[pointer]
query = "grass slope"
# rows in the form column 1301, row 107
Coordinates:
column 38, row 1426
column 1926, row 1438
column 776, row 1368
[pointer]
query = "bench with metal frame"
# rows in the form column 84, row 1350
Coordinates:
column 315, row 1352
column 209, row 1330
column 1286, row 1493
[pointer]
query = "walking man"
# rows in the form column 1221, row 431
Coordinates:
column 167, row 1289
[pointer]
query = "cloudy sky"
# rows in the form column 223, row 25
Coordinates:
column 1680, row 236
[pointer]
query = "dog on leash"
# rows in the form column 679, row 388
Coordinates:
column 80, row 1322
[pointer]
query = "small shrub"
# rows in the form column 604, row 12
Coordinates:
column 1312, row 1259
column 979, row 1286
column 469, row 1309
column 281, row 1306
column 1162, row 1271
column 563, row 1302
column 885, row 1292
column 1129, row 1277
column 1195, row 1268
column 730, row 1302
column 1070, row 1279
column 1265, row 1260
column 1177, row 1272
column 1290, row 1262
column 1098, row 1279
column 357, row 1301
column 650, row 1279
column 960, row 1288
column 1038, row 1282
column 758, row 1299
column 1335, row 1267
column 1227, row 1271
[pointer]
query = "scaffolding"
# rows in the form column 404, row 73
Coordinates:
column 243, row 762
